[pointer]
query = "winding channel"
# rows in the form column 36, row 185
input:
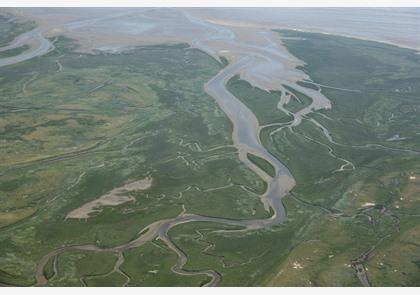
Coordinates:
column 39, row 45
column 245, row 138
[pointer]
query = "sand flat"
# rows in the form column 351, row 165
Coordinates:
column 115, row 197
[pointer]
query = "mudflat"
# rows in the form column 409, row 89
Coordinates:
column 115, row 197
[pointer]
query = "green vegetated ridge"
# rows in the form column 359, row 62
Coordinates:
column 14, row 51
column 74, row 126
column 262, row 103
column 262, row 164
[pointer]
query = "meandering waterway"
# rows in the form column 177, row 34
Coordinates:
column 262, row 61
column 39, row 45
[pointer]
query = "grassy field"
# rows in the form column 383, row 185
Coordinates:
column 371, row 208
column 365, row 215
column 263, row 164
column 75, row 126
column 262, row 103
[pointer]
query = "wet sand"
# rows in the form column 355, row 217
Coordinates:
column 396, row 26
column 115, row 197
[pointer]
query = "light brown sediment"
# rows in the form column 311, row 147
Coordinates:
column 115, row 197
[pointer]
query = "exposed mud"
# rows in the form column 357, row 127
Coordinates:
column 115, row 197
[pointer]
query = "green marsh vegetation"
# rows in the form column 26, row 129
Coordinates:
column 334, row 216
column 70, row 134
column 262, row 103
column 373, row 205
column 263, row 164
column 14, row 51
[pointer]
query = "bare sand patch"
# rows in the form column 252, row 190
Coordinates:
column 368, row 204
column 115, row 197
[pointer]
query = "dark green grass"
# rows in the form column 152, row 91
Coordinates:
column 262, row 103
column 151, row 265
column 75, row 265
column 263, row 164
column 298, row 101
column 14, row 51
column 307, row 85
column 248, row 258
